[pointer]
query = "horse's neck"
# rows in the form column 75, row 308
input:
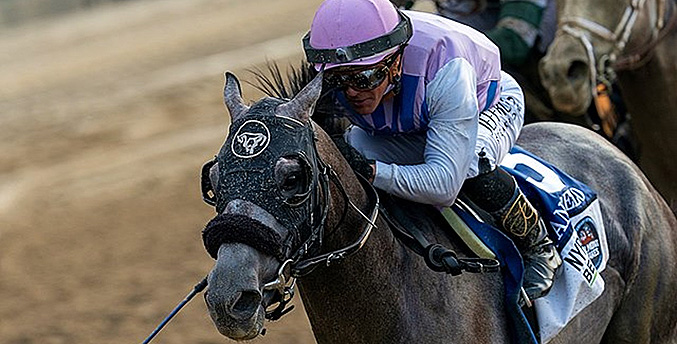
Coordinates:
column 386, row 294
column 655, row 81
column 649, row 92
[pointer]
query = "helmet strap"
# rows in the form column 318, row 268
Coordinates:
column 397, row 83
column 395, row 74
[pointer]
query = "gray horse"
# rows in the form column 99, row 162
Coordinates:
column 277, row 199
column 635, row 40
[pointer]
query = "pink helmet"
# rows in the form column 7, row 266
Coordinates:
column 355, row 32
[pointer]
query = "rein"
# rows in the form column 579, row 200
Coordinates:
column 305, row 266
column 437, row 257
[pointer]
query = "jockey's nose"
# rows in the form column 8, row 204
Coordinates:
column 351, row 92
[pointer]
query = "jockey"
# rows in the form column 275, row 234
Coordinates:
column 432, row 114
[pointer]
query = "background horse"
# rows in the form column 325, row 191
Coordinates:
column 386, row 294
column 635, row 40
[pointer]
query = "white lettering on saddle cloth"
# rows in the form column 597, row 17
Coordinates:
column 579, row 259
column 584, row 253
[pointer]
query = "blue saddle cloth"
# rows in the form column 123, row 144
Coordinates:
column 559, row 198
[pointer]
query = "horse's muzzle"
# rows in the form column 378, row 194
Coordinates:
column 234, row 298
column 241, row 317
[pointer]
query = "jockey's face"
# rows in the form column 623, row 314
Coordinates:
column 365, row 102
column 363, row 94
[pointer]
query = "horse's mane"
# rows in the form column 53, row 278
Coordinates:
column 272, row 82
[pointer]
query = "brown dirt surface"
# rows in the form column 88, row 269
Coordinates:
column 106, row 116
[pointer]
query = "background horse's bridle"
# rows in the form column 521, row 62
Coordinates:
column 603, row 71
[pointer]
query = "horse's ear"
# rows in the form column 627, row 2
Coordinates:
column 232, row 97
column 303, row 104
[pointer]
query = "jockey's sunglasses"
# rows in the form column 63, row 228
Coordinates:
column 360, row 78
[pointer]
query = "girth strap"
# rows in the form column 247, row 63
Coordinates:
column 437, row 257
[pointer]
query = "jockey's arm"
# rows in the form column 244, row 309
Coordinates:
column 450, row 141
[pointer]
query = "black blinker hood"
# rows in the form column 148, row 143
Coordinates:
column 247, row 170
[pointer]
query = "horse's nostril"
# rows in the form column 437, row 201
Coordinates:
column 246, row 304
column 578, row 70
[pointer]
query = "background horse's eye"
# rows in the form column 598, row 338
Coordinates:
column 291, row 174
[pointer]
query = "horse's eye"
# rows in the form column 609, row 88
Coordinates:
column 291, row 182
column 291, row 175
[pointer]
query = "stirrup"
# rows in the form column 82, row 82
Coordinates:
column 541, row 263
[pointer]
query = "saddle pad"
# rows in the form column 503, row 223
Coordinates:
column 572, row 212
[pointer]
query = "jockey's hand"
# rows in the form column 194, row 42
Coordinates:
column 357, row 161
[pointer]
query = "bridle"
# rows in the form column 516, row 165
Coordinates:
column 301, row 264
column 301, row 260
column 305, row 258
column 604, row 70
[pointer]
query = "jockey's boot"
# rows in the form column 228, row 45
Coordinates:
column 497, row 192
column 522, row 223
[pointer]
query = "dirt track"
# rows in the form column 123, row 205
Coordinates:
column 106, row 116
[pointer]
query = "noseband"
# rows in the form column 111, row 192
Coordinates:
column 301, row 249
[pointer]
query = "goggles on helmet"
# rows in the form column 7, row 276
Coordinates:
column 360, row 78
column 397, row 37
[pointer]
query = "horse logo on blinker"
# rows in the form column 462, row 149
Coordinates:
column 250, row 140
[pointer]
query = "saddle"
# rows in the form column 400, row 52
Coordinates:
column 410, row 221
